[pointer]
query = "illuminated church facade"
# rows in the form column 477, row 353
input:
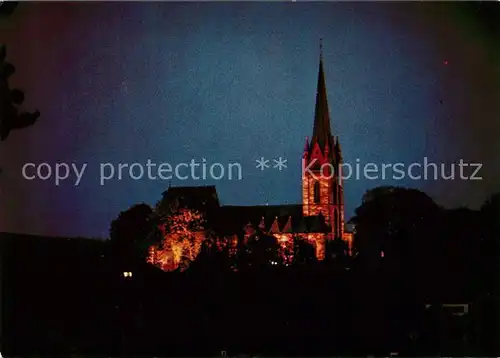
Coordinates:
column 320, row 216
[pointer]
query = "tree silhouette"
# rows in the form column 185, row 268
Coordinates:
column 490, row 211
column 7, row 8
column 304, row 252
column 397, row 221
column 336, row 250
column 11, row 118
column 260, row 252
column 214, row 256
column 130, row 233
column 490, row 245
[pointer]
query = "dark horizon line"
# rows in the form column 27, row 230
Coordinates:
column 4, row 235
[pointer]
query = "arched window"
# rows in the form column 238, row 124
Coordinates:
column 316, row 192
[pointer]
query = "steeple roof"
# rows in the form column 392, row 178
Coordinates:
column 275, row 228
column 322, row 133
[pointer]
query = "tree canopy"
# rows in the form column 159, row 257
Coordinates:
column 130, row 232
column 391, row 219
column 11, row 116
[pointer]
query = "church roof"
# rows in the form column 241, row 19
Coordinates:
column 229, row 220
column 322, row 133
column 194, row 197
column 288, row 218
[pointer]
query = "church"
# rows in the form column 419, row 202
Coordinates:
column 320, row 216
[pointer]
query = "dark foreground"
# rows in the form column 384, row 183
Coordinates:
column 64, row 297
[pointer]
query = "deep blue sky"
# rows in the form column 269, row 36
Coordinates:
column 231, row 82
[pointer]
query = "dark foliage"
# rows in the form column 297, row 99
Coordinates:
column 70, row 296
column 11, row 117
column 131, row 233
column 7, row 8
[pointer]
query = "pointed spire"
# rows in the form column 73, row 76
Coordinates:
column 275, row 228
column 322, row 133
column 249, row 230
column 321, row 49
column 338, row 150
column 288, row 225
column 306, row 148
column 262, row 224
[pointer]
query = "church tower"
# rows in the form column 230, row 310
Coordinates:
column 322, row 190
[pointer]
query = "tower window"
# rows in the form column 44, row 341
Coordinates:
column 316, row 192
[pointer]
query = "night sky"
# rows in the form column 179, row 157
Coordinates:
column 233, row 82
